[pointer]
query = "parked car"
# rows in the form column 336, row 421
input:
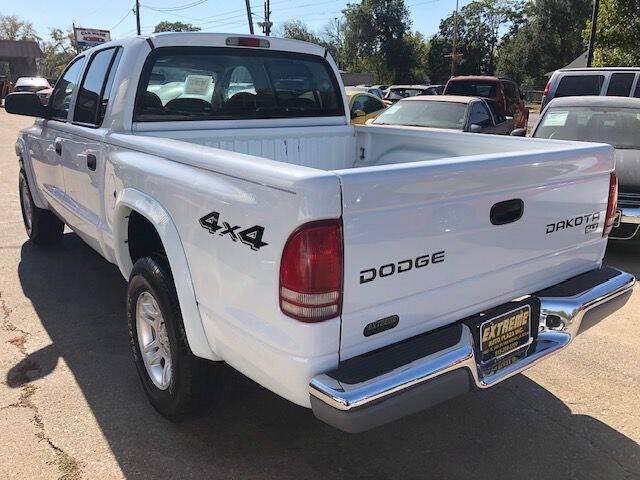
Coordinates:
column 44, row 95
column 6, row 87
column 612, row 120
column 382, row 88
column 450, row 112
column 365, row 272
column 363, row 106
column 372, row 90
column 502, row 90
column 398, row 92
column 609, row 81
column 31, row 84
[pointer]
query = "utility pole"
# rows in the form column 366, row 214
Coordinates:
column 592, row 37
column 248, row 17
column 455, row 39
column 75, row 38
column 267, row 24
column 137, row 10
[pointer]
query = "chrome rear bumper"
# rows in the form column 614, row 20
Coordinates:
column 361, row 402
column 630, row 215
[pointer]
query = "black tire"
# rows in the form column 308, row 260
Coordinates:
column 44, row 228
column 191, row 383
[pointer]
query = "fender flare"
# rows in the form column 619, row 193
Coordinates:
column 130, row 199
column 25, row 164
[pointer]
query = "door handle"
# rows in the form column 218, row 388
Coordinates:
column 58, row 146
column 507, row 212
column 91, row 161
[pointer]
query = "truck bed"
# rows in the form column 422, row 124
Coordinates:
column 408, row 194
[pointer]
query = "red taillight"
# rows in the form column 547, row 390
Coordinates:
column 612, row 205
column 311, row 272
column 546, row 89
column 247, row 42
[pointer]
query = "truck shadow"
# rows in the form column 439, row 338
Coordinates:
column 514, row 429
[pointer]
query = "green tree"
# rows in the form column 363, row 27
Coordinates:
column 175, row 27
column 478, row 33
column 549, row 39
column 616, row 42
column 298, row 30
column 12, row 28
column 58, row 52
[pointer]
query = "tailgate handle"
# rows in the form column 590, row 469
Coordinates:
column 507, row 212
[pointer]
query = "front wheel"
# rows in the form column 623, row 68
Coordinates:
column 42, row 226
column 177, row 383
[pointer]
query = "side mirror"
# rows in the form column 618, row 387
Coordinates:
column 358, row 113
column 519, row 132
column 24, row 103
column 475, row 128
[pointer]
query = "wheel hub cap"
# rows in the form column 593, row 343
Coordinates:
column 153, row 340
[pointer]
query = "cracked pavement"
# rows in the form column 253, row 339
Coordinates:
column 71, row 406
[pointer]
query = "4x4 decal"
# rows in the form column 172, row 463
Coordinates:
column 251, row 236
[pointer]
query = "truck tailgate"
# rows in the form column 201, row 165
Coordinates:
column 420, row 245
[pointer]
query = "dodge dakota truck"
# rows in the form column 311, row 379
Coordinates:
column 366, row 272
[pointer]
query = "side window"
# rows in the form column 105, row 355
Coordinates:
column 498, row 114
column 637, row 92
column 579, row 85
column 620, row 84
column 480, row 115
column 90, row 95
column 66, row 86
column 358, row 103
column 372, row 105
column 510, row 91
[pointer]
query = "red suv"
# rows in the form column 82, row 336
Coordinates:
column 502, row 90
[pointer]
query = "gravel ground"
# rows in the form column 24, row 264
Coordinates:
column 71, row 405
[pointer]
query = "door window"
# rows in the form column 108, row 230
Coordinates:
column 66, row 86
column 358, row 104
column 637, row 92
column 91, row 94
column 579, row 85
column 371, row 105
column 620, row 84
column 498, row 113
column 480, row 115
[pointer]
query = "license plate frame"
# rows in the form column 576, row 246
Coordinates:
column 511, row 331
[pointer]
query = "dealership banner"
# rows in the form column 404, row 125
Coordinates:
column 90, row 37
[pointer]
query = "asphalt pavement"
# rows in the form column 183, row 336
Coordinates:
column 71, row 405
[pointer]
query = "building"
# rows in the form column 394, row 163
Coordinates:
column 20, row 56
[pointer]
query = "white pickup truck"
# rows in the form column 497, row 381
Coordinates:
column 366, row 272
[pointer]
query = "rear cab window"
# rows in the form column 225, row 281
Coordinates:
column 578, row 85
column 213, row 83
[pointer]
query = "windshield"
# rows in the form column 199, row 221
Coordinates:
column 425, row 114
column 616, row 126
column 223, row 83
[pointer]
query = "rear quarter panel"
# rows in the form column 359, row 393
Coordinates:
column 236, row 287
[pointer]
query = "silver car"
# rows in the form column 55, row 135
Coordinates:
column 612, row 120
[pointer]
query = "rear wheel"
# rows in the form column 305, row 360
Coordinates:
column 42, row 226
column 177, row 383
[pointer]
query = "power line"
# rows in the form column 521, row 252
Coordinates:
column 121, row 20
column 175, row 9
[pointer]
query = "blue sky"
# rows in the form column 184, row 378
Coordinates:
column 210, row 15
